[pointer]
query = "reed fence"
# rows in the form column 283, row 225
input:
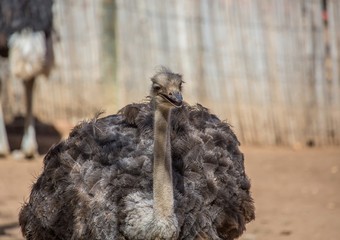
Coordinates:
column 268, row 67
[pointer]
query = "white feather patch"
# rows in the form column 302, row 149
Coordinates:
column 27, row 53
column 142, row 224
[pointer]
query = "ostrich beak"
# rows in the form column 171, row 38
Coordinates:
column 175, row 98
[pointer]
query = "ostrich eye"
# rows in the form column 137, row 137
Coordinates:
column 156, row 87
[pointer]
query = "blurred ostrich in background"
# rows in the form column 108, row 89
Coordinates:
column 161, row 169
column 26, row 51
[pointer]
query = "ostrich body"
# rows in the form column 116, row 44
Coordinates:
column 25, row 52
column 156, row 170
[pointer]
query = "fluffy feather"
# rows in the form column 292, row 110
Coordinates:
column 90, row 180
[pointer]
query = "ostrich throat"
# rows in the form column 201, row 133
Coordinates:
column 162, row 165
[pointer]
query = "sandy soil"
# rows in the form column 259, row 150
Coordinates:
column 296, row 192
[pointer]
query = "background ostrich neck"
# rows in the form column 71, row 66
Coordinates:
column 162, row 165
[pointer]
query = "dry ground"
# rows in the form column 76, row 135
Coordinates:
column 297, row 193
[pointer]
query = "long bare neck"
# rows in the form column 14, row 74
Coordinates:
column 162, row 165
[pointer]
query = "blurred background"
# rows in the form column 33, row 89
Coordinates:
column 271, row 68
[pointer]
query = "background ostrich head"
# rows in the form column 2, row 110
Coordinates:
column 166, row 89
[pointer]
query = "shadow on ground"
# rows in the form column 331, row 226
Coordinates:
column 7, row 226
column 47, row 135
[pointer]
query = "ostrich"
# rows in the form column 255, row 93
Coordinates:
column 25, row 52
column 159, row 169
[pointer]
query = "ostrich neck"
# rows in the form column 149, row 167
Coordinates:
column 162, row 165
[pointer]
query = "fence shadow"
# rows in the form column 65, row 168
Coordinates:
column 4, row 227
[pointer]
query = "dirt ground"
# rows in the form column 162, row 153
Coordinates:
column 296, row 193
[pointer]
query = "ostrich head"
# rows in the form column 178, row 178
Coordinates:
column 166, row 89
